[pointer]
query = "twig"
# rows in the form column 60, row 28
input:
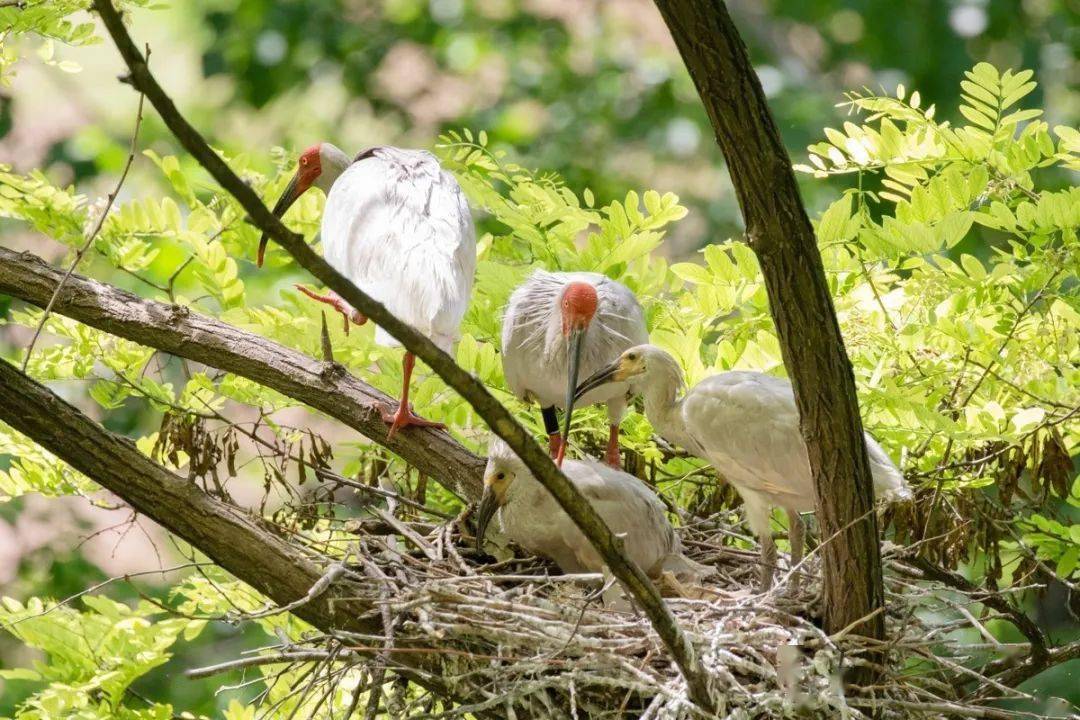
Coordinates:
column 103, row 583
column 98, row 224
column 1022, row 622
column 257, row 661
column 321, row 585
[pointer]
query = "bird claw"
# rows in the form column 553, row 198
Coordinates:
column 348, row 312
column 403, row 416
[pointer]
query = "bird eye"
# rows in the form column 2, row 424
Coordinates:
column 632, row 356
column 303, row 159
column 500, row 476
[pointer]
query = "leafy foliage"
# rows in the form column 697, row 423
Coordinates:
column 93, row 656
column 953, row 273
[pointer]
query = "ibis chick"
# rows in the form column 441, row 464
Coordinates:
column 398, row 226
column 745, row 424
column 560, row 324
column 530, row 517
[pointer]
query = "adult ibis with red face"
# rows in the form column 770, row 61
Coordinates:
column 398, row 226
column 562, row 324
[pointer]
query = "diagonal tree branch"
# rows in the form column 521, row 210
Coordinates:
column 502, row 423
column 995, row 601
column 174, row 329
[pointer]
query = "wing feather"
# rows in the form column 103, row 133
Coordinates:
column 399, row 227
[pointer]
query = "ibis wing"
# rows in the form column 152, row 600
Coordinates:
column 747, row 425
column 399, row 227
column 629, row 508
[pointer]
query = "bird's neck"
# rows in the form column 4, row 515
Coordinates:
column 662, row 405
column 334, row 163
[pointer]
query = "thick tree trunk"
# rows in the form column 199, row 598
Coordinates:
column 781, row 236
column 231, row 537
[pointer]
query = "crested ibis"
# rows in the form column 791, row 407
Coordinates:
column 530, row 516
column 398, row 226
column 558, row 324
column 745, row 424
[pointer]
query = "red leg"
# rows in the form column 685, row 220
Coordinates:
column 560, row 451
column 554, row 442
column 348, row 312
column 404, row 415
column 612, row 454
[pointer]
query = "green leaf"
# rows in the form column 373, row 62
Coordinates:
column 835, row 225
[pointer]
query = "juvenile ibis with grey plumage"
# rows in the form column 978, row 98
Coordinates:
column 560, row 324
column 530, row 516
column 398, row 226
column 746, row 424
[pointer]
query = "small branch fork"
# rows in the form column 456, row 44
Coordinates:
column 98, row 224
column 994, row 601
column 487, row 407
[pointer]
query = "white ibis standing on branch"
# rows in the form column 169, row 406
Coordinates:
column 398, row 226
column 745, row 424
column 559, row 324
column 531, row 517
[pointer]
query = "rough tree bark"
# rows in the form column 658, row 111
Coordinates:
column 781, row 236
column 175, row 329
column 632, row 578
column 228, row 535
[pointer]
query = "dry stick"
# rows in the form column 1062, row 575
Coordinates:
column 93, row 232
column 1039, row 652
column 258, row 660
column 487, row 407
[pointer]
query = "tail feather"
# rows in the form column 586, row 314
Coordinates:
column 889, row 482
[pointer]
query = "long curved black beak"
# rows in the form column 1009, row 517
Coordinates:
column 284, row 203
column 602, row 376
column 484, row 512
column 576, row 345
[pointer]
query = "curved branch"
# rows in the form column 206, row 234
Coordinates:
column 1034, row 634
column 487, row 407
column 174, row 329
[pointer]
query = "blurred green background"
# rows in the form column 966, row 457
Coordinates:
column 591, row 89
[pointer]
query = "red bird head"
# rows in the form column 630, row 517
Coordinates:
column 578, row 306
column 321, row 164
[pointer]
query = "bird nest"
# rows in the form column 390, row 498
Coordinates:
column 515, row 638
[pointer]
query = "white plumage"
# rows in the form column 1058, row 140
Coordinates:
column 399, row 227
column 747, row 425
column 529, row 516
column 536, row 347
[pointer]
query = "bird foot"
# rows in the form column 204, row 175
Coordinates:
column 403, row 416
column 348, row 312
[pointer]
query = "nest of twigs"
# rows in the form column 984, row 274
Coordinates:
column 514, row 638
